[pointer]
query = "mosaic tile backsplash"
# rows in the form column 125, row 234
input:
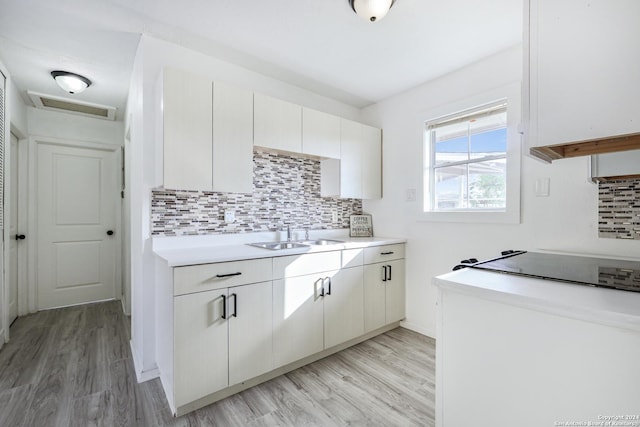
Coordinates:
column 286, row 190
column 619, row 209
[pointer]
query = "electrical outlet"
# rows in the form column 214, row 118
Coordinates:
column 334, row 216
column 229, row 216
column 411, row 195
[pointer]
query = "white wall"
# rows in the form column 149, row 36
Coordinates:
column 567, row 220
column 146, row 158
column 17, row 112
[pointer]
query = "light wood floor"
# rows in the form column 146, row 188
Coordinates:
column 73, row 367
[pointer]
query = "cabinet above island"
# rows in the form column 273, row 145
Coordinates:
column 581, row 67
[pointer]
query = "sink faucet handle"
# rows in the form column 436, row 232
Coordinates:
column 306, row 234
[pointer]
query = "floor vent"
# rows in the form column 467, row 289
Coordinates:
column 87, row 109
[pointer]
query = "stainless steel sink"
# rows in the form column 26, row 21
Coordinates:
column 322, row 242
column 275, row 246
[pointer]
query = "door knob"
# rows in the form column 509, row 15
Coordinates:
column 110, row 233
column 20, row 237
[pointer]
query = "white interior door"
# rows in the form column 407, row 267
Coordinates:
column 13, row 230
column 76, row 206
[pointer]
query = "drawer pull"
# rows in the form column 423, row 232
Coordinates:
column 386, row 253
column 220, row 276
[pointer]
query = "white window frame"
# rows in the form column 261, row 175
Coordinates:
column 511, row 214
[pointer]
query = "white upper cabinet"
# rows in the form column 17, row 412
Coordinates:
column 232, row 139
column 187, row 115
column 371, row 162
column 320, row 134
column 360, row 161
column 584, row 70
column 351, row 148
column 277, row 124
column 208, row 134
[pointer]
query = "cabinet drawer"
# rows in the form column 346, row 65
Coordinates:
column 298, row 265
column 383, row 253
column 198, row 278
column 352, row 258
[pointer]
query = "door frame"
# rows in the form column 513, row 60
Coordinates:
column 32, row 219
column 23, row 188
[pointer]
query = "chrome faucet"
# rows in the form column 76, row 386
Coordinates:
column 288, row 232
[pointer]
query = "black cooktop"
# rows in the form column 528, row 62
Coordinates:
column 601, row 272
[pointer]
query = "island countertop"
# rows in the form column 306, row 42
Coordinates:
column 598, row 305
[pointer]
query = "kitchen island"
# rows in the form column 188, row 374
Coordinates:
column 529, row 352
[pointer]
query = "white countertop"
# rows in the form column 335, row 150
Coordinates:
column 598, row 305
column 192, row 250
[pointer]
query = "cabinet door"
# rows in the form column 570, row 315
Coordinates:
column 187, row 130
column 395, row 292
column 371, row 163
column 374, row 297
column 320, row 134
column 277, row 124
column 343, row 306
column 297, row 318
column 250, row 331
column 232, row 139
column 360, row 161
column 350, row 159
column 584, row 70
column 200, row 345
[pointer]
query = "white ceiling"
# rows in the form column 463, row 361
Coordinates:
column 320, row 45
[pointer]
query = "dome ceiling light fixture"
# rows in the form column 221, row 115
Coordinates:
column 371, row 10
column 70, row 82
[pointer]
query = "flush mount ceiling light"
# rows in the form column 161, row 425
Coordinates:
column 71, row 82
column 371, row 10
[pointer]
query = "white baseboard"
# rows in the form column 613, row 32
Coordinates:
column 416, row 328
column 141, row 375
column 124, row 308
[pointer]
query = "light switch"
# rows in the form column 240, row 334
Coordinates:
column 411, row 195
column 542, row 187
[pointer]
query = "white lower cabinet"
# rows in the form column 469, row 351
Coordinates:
column 315, row 312
column 384, row 293
column 344, row 307
column 223, row 337
column 297, row 318
column 235, row 323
